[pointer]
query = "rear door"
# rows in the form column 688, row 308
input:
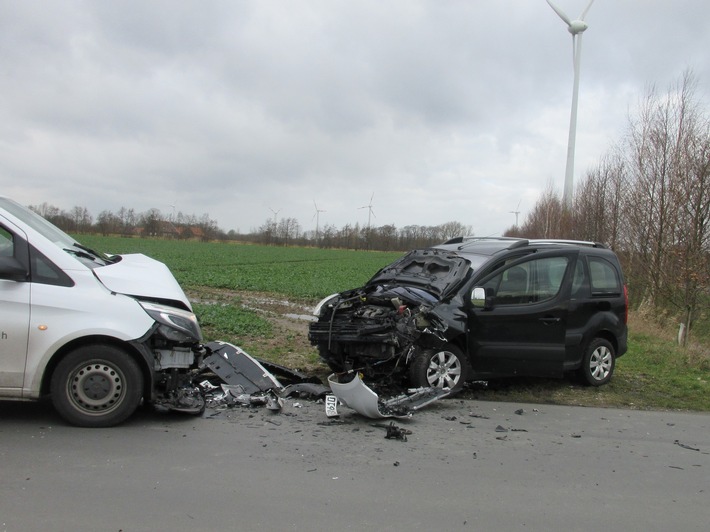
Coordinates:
column 14, row 313
column 523, row 330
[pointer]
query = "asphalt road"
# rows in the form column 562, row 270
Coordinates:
column 467, row 465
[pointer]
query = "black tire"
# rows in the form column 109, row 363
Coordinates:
column 598, row 362
column 96, row 386
column 445, row 367
column 334, row 364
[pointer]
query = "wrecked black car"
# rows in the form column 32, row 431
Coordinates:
column 479, row 308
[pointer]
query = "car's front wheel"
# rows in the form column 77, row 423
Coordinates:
column 598, row 363
column 445, row 367
column 96, row 386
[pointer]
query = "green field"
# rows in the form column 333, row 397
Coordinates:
column 240, row 293
column 294, row 272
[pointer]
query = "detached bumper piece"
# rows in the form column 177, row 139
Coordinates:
column 357, row 395
column 237, row 368
column 241, row 380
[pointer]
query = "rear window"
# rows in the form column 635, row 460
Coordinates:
column 604, row 276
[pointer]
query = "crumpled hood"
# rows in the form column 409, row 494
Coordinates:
column 434, row 270
column 142, row 277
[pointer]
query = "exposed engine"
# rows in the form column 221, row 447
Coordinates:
column 372, row 330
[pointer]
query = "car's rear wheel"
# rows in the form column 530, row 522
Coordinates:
column 445, row 367
column 96, row 386
column 598, row 363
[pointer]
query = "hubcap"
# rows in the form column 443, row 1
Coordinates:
column 600, row 363
column 96, row 387
column 444, row 370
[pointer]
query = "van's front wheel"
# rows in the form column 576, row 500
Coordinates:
column 96, row 386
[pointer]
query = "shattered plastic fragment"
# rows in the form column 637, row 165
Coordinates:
column 234, row 366
column 357, row 395
column 393, row 431
column 304, row 389
column 274, row 403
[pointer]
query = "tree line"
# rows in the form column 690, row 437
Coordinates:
column 649, row 199
column 282, row 232
column 127, row 222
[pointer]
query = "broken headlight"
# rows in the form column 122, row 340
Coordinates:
column 324, row 302
column 175, row 324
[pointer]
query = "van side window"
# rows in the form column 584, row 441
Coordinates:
column 7, row 243
column 530, row 282
column 604, row 277
column 45, row 271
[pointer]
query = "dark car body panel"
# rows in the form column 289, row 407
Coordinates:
column 546, row 301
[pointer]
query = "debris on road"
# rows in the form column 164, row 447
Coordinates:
column 684, row 446
column 393, row 431
column 355, row 394
column 231, row 377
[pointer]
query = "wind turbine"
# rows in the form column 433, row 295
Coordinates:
column 370, row 212
column 576, row 28
column 276, row 213
column 516, row 212
column 317, row 217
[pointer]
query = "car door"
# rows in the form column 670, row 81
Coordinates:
column 14, row 310
column 521, row 329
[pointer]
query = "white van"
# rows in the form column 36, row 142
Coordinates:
column 97, row 333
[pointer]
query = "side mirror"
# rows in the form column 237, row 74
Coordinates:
column 478, row 297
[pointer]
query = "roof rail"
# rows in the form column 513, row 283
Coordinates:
column 520, row 242
column 463, row 239
column 570, row 242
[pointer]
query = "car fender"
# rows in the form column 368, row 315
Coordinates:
column 61, row 316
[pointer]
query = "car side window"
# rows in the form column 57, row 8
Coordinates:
column 604, row 277
column 7, row 243
column 530, row 282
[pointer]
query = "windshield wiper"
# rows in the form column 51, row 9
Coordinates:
column 80, row 253
column 89, row 250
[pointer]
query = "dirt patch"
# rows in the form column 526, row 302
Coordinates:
column 288, row 344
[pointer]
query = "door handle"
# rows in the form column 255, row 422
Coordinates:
column 550, row 320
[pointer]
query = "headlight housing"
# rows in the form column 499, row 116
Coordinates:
column 175, row 324
column 324, row 302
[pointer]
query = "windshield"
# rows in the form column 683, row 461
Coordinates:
column 53, row 233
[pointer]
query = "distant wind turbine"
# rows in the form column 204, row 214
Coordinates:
column 276, row 213
column 317, row 217
column 516, row 212
column 370, row 212
column 576, row 28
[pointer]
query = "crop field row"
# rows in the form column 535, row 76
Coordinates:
column 295, row 272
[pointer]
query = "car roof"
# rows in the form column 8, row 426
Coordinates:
column 486, row 247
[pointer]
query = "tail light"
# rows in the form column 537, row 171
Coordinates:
column 626, row 305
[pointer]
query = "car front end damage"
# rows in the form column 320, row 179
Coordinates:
column 174, row 355
column 405, row 310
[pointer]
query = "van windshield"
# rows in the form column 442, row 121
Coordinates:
column 53, row 233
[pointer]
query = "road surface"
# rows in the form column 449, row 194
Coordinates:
column 467, row 465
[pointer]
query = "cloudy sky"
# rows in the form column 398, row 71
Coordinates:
column 445, row 110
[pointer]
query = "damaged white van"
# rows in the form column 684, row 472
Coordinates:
column 97, row 333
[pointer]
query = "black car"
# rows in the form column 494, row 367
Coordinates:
column 480, row 308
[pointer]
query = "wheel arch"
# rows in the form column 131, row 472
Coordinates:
column 129, row 349
column 609, row 337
